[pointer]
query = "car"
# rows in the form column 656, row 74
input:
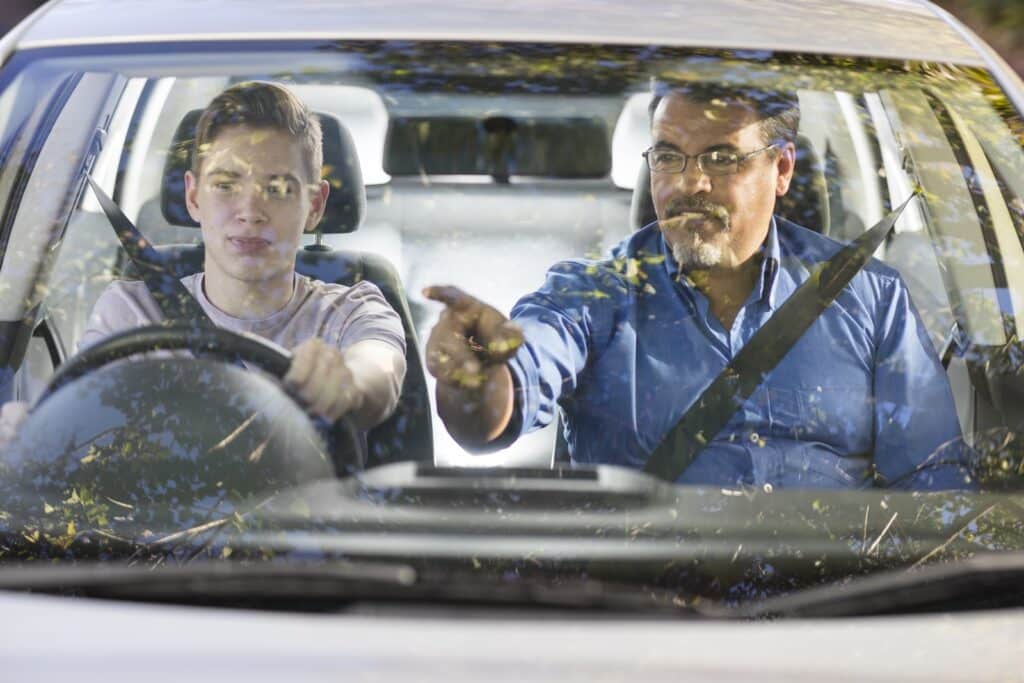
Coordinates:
column 167, row 513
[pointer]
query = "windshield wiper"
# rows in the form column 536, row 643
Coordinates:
column 332, row 585
column 223, row 580
column 989, row 581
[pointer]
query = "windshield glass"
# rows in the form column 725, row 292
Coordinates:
column 522, row 266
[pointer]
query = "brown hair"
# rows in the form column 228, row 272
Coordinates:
column 260, row 105
column 778, row 111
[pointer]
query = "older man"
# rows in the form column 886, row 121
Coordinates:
column 627, row 344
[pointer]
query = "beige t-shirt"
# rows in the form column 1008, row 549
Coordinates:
column 337, row 314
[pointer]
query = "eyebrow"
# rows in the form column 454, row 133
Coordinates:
column 223, row 172
column 291, row 177
column 661, row 144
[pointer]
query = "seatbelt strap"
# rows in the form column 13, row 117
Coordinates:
column 175, row 301
column 711, row 412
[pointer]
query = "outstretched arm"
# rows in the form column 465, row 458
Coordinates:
column 467, row 353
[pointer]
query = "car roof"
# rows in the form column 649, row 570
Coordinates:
column 899, row 29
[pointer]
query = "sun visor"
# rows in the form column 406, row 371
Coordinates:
column 498, row 146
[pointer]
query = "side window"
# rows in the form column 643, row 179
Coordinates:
column 165, row 103
column 46, row 351
column 87, row 259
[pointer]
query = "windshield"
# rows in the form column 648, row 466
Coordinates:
column 600, row 230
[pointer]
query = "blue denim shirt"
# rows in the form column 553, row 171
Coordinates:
column 625, row 346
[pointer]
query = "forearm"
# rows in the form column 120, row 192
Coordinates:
column 378, row 370
column 476, row 417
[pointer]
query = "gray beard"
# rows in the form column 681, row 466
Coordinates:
column 699, row 256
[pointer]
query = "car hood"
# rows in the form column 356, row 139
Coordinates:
column 93, row 640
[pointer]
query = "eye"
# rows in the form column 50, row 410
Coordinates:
column 279, row 188
column 719, row 160
column 223, row 186
column 720, row 157
column 665, row 160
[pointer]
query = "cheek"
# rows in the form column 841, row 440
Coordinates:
column 214, row 208
column 290, row 220
column 661, row 193
column 754, row 196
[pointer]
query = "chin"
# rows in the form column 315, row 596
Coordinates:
column 698, row 256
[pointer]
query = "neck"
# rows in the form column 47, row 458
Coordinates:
column 727, row 288
column 248, row 300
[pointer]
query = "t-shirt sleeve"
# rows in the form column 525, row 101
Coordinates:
column 115, row 310
column 366, row 314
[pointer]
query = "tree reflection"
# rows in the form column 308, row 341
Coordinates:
column 138, row 451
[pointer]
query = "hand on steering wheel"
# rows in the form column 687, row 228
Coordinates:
column 207, row 342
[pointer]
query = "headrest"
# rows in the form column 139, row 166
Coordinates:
column 498, row 146
column 346, row 203
column 805, row 204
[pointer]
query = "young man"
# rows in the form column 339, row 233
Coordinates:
column 254, row 188
column 625, row 350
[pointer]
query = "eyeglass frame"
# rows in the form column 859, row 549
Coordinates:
column 741, row 158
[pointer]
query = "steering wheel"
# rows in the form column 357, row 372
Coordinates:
column 205, row 342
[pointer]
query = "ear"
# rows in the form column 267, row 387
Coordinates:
column 191, row 190
column 785, row 164
column 318, row 204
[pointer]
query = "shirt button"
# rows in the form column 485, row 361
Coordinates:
column 768, row 488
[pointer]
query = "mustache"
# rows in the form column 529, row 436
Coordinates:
column 683, row 205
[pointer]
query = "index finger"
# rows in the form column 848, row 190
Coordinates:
column 450, row 295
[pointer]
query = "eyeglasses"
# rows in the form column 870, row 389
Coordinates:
column 715, row 162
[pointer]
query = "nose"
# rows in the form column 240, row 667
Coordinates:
column 693, row 180
column 250, row 206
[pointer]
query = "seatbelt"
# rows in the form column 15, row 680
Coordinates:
column 175, row 301
column 711, row 412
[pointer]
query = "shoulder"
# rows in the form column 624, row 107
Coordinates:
column 877, row 295
column 123, row 304
column 350, row 313
column 135, row 290
column 813, row 248
column 338, row 295
column 130, row 300
column 629, row 266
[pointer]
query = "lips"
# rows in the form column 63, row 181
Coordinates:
column 697, row 211
column 691, row 220
column 248, row 245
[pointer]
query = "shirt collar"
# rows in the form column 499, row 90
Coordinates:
column 765, row 286
column 772, row 252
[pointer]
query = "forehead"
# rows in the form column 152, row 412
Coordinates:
column 677, row 119
column 255, row 151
